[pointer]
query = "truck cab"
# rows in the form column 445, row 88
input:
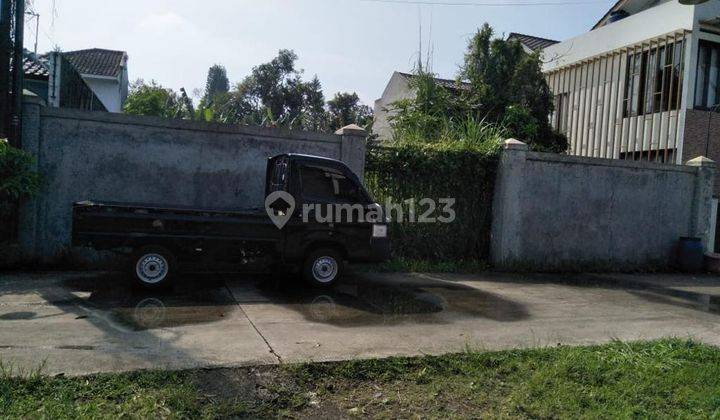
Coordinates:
column 331, row 207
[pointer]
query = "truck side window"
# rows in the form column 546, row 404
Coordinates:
column 325, row 184
column 278, row 179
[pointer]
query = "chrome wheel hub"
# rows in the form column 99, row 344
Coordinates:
column 151, row 268
column 325, row 269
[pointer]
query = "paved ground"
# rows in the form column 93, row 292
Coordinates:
column 79, row 323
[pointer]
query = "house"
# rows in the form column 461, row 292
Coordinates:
column 642, row 84
column 398, row 88
column 105, row 72
column 54, row 80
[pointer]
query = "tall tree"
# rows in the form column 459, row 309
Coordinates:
column 217, row 83
column 314, row 106
column 345, row 108
column 507, row 86
column 150, row 99
column 275, row 94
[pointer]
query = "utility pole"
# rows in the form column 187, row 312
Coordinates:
column 17, row 76
column 5, row 54
column 37, row 28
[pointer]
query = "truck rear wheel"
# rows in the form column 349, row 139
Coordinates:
column 153, row 266
column 323, row 267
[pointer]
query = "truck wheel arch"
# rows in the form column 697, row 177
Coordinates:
column 313, row 246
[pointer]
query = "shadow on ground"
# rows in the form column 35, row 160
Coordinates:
column 696, row 292
column 366, row 300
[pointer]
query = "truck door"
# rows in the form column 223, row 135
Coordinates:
column 332, row 206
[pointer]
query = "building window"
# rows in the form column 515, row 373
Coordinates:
column 634, row 84
column 654, row 80
column 706, row 85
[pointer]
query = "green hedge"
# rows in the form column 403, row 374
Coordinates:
column 415, row 171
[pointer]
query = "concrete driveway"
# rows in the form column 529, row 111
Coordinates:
column 79, row 323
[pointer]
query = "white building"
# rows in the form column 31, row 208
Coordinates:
column 641, row 83
column 105, row 72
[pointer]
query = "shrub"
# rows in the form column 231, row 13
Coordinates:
column 17, row 179
column 463, row 166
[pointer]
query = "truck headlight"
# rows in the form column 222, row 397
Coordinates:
column 379, row 231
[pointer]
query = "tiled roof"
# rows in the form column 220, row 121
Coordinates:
column 34, row 67
column 533, row 42
column 446, row 83
column 97, row 61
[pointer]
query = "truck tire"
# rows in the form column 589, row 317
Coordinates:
column 323, row 267
column 153, row 267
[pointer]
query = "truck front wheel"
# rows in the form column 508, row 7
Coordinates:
column 323, row 267
column 152, row 266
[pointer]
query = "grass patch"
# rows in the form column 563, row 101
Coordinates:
column 667, row 378
column 135, row 395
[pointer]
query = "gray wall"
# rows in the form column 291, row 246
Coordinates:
column 115, row 157
column 556, row 212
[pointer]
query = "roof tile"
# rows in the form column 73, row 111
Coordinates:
column 533, row 42
column 97, row 61
column 34, row 67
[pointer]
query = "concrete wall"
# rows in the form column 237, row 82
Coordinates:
column 115, row 157
column 554, row 212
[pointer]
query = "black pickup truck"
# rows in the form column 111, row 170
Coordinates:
column 288, row 234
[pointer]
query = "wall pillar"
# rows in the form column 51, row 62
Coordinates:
column 352, row 148
column 27, row 217
column 700, row 223
column 506, row 233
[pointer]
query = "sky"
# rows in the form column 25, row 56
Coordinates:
column 351, row 45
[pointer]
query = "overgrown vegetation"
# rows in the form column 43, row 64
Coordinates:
column 499, row 85
column 662, row 379
column 446, row 142
column 462, row 168
column 18, row 180
column 274, row 94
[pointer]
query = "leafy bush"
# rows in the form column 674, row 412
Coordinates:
column 461, row 167
column 151, row 99
column 17, row 179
